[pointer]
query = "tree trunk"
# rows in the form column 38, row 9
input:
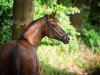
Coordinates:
column 22, row 15
column 77, row 19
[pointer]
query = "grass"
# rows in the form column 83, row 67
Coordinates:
column 50, row 70
column 57, row 58
column 95, row 70
column 67, row 59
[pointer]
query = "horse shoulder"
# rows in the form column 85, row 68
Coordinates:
column 28, row 58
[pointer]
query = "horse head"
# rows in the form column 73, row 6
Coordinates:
column 53, row 29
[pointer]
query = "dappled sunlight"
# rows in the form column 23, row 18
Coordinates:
column 60, row 57
column 47, row 69
column 81, row 56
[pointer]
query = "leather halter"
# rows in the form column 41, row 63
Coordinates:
column 57, row 35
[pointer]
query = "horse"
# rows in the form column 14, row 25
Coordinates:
column 19, row 57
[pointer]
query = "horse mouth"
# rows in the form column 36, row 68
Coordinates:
column 65, row 42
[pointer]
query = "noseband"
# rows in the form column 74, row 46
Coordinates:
column 57, row 35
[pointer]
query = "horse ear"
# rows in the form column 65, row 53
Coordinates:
column 52, row 14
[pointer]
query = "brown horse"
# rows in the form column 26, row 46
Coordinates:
column 19, row 57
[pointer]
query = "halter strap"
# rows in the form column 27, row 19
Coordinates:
column 54, row 32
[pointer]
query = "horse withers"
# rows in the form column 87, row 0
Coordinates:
column 19, row 57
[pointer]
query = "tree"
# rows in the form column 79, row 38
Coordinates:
column 77, row 19
column 22, row 15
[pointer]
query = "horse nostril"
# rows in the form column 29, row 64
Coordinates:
column 69, row 38
column 66, row 37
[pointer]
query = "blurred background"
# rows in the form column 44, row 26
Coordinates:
column 79, row 18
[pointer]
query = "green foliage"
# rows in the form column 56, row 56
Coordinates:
column 5, row 20
column 62, row 15
column 50, row 70
column 48, row 2
column 64, row 2
column 95, row 70
column 56, row 54
column 43, row 7
column 55, row 59
column 81, row 62
column 90, row 33
column 91, row 37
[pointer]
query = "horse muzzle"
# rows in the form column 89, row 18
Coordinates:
column 66, row 39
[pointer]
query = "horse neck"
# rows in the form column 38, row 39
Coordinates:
column 34, row 32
